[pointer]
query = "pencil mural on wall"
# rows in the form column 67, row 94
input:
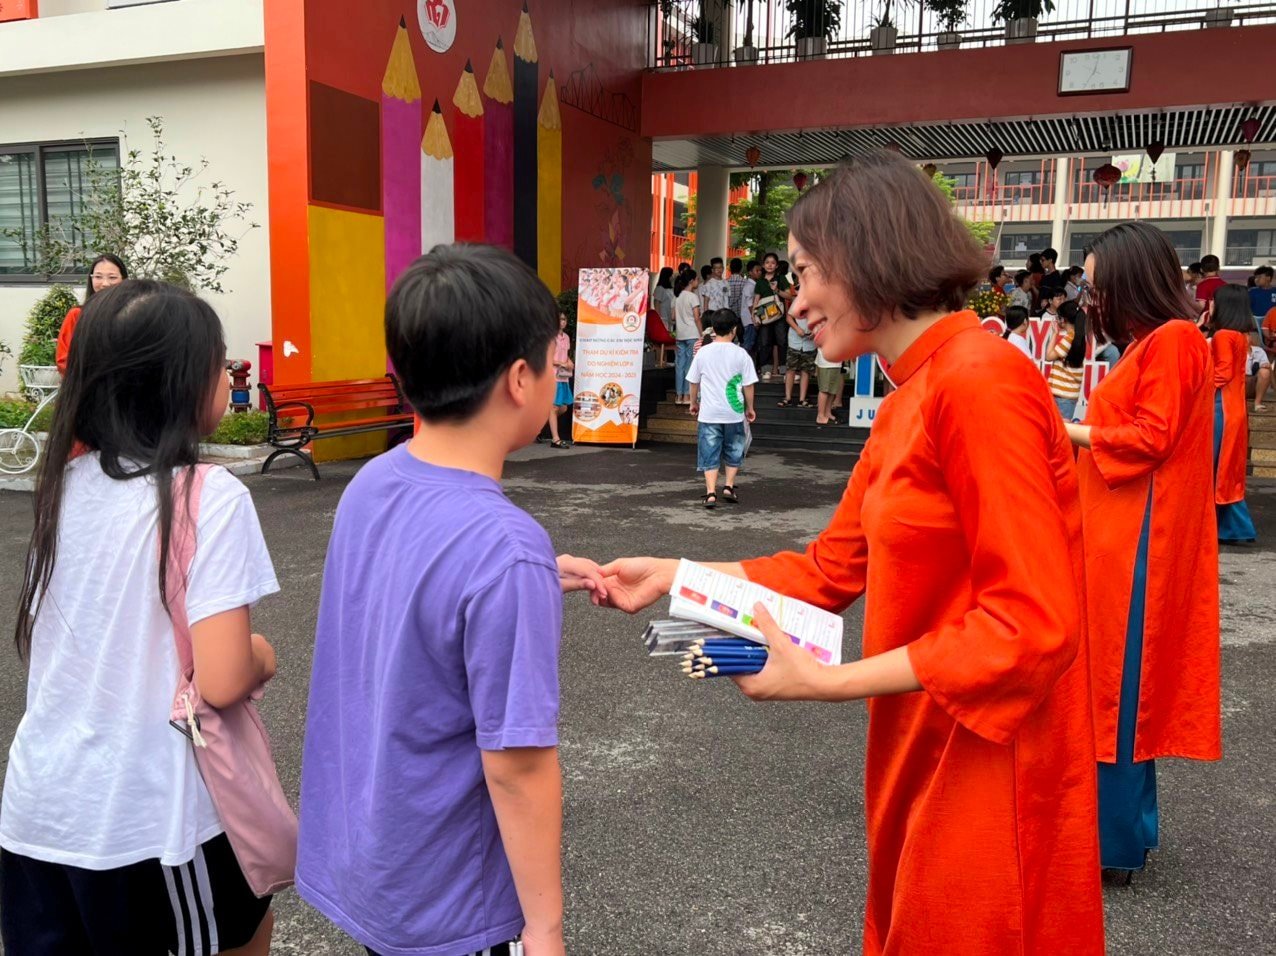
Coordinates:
column 498, row 152
column 438, row 219
column 467, row 147
column 526, row 149
column 548, row 215
column 400, row 157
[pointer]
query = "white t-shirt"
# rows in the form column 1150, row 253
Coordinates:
column 684, row 311
column 822, row 362
column 722, row 370
column 97, row 776
column 1021, row 343
column 715, row 293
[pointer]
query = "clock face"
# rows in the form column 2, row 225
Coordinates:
column 1094, row 71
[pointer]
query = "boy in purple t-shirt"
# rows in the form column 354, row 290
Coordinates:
column 431, row 797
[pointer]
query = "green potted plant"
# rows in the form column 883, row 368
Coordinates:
column 36, row 362
column 1020, row 17
column 747, row 54
column 884, row 35
column 814, row 21
column 704, row 50
column 950, row 14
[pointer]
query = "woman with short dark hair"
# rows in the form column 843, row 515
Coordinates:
column 979, row 776
column 1151, row 549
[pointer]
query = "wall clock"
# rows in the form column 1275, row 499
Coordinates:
column 1095, row 71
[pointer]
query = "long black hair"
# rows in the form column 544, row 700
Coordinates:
column 666, row 278
column 1074, row 315
column 105, row 257
column 1232, row 309
column 139, row 381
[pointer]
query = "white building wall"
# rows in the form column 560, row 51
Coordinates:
column 212, row 108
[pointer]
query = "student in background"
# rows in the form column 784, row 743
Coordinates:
column 714, row 290
column 431, row 796
column 773, row 283
column 109, row 834
column 1230, row 348
column 1147, row 491
column 662, row 297
column 1021, row 294
column 1210, row 283
column 105, row 272
column 1262, row 296
column 744, row 307
column 1017, row 330
column 563, row 368
column 1075, row 285
column 688, row 327
column 722, row 379
column 1052, row 280
column 1067, row 360
column 828, row 379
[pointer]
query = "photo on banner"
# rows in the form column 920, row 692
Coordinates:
column 610, row 334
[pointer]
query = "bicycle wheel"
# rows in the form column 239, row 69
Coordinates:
column 19, row 451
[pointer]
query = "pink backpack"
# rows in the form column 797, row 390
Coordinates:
column 232, row 748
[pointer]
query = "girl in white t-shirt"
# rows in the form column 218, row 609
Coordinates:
column 108, row 837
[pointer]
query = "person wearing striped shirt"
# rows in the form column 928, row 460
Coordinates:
column 1067, row 359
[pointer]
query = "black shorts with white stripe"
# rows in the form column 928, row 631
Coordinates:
column 145, row 909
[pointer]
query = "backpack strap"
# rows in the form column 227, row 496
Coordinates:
column 181, row 555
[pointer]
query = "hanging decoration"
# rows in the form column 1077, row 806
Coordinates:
column 1242, row 159
column 894, row 146
column 1107, row 176
column 994, row 157
column 1154, row 151
column 930, row 169
column 799, row 180
column 1249, row 129
column 753, row 154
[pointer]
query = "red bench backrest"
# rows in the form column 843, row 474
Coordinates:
column 332, row 398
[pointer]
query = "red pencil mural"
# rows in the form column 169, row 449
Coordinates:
column 498, row 151
column 467, row 145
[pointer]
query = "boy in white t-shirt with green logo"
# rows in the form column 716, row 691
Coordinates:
column 721, row 377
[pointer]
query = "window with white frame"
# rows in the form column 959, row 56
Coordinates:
column 45, row 183
column 1246, row 246
column 1018, row 246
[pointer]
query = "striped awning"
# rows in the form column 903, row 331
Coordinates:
column 1210, row 127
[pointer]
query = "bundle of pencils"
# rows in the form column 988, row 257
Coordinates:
column 705, row 651
column 722, row 657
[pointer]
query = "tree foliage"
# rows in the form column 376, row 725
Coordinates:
column 44, row 321
column 983, row 231
column 156, row 212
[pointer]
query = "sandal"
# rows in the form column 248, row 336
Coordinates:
column 729, row 495
column 559, row 444
column 1260, row 408
column 806, row 404
column 784, row 403
column 710, row 500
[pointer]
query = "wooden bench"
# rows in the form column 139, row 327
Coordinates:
column 301, row 414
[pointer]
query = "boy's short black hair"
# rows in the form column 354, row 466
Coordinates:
column 1194, row 267
column 736, row 265
column 1210, row 264
column 753, row 264
column 715, row 261
column 1051, row 254
column 1021, row 275
column 1265, row 271
column 1016, row 315
column 723, row 321
column 457, row 319
column 1076, row 271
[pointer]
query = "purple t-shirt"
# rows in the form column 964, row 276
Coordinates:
column 438, row 634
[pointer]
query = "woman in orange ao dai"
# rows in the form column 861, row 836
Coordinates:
column 980, row 781
column 1151, row 548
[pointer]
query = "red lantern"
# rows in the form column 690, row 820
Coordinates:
column 930, row 169
column 1242, row 159
column 799, row 180
column 994, row 157
column 1107, row 176
column 1249, row 129
column 753, row 154
column 1154, row 151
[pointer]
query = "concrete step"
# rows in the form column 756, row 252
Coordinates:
column 681, row 424
column 666, row 438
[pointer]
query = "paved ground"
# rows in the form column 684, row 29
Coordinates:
column 647, row 753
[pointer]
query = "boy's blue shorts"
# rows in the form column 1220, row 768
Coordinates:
column 718, row 444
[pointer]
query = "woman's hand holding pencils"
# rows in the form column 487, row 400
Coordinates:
column 791, row 673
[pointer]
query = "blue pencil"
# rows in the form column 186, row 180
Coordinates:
column 732, row 661
column 727, row 669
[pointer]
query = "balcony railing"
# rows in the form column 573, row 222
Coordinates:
column 676, row 27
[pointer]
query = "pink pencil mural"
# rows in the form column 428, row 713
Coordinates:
column 498, row 151
column 400, row 157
